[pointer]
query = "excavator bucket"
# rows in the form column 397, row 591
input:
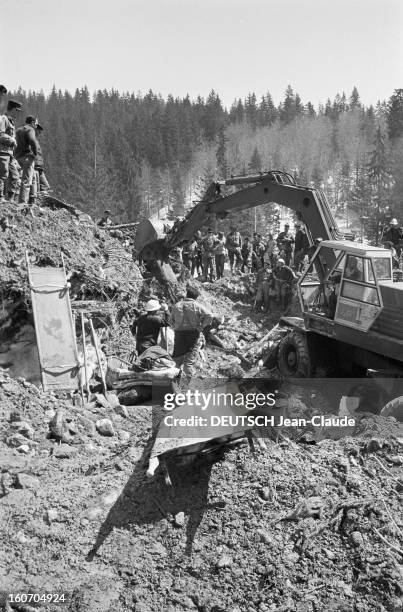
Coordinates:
column 149, row 240
column 150, row 248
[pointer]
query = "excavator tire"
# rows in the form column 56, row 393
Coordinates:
column 394, row 408
column 293, row 356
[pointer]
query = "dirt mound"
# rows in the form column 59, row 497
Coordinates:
column 97, row 262
column 299, row 528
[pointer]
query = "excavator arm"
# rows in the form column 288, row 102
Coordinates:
column 310, row 206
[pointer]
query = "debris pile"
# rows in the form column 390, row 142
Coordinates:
column 309, row 524
column 295, row 527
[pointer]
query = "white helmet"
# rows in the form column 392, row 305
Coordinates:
column 393, row 222
column 280, row 261
column 152, row 305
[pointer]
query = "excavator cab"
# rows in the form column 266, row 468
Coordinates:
column 341, row 286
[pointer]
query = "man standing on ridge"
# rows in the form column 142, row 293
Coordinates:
column 39, row 164
column 26, row 154
column 9, row 168
column 3, row 93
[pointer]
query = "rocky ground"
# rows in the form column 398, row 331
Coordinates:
column 296, row 527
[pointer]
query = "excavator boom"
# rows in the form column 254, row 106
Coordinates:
column 310, row 205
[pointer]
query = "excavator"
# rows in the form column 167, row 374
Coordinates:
column 352, row 310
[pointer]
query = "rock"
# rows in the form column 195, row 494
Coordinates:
column 23, row 428
column 87, row 425
column 158, row 549
column 110, row 498
column 23, row 449
column 51, row 515
column 93, row 512
column 6, row 483
column 329, row 554
column 64, row 451
column 17, row 440
column 264, row 536
column 57, row 425
column 26, row 481
column 374, row 445
column 357, row 539
column 121, row 411
column 179, row 519
column 15, row 416
column 306, row 507
column 124, row 436
column 105, row 427
column 396, row 459
column 266, row 493
column 224, row 561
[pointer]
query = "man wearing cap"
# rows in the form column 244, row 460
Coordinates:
column 26, row 154
column 148, row 325
column 246, row 252
column 394, row 234
column 188, row 320
column 9, row 168
column 301, row 246
column 209, row 254
column 3, row 93
column 220, row 252
column 234, row 244
column 284, row 277
column 285, row 242
column 44, row 186
column 106, row 220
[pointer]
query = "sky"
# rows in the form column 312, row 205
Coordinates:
column 179, row 47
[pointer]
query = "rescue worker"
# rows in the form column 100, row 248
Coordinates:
column 394, row 234
column 186, row 255
column 271, row 252
column 26, row 154
column 220, row 252
column 395, row 258
column 285, row 242
column 3, row 93
column 193, row 256
column 209, row 254
column 354, row 268
column 258, row 251
column 301, row 246
column 106, row 220
column 44, row 186
column 148, row 325
column 188, row 320
column 284, row 277
column 199, row 259
column 264, row 289
column 246, row 252
column 234, row 244
column 9, row 167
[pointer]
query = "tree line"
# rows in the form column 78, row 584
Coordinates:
column 137, row 153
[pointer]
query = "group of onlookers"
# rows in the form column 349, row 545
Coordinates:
column 207, row 254
column 22, row 173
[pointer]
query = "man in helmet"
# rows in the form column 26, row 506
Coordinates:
column 148, row 325
column 394, row 234
column 284, row 277
column 106, row 220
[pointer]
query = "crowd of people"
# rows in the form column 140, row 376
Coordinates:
column 22, row 173
column 275, row 261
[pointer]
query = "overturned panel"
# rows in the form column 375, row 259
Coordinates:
column 54, row 328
